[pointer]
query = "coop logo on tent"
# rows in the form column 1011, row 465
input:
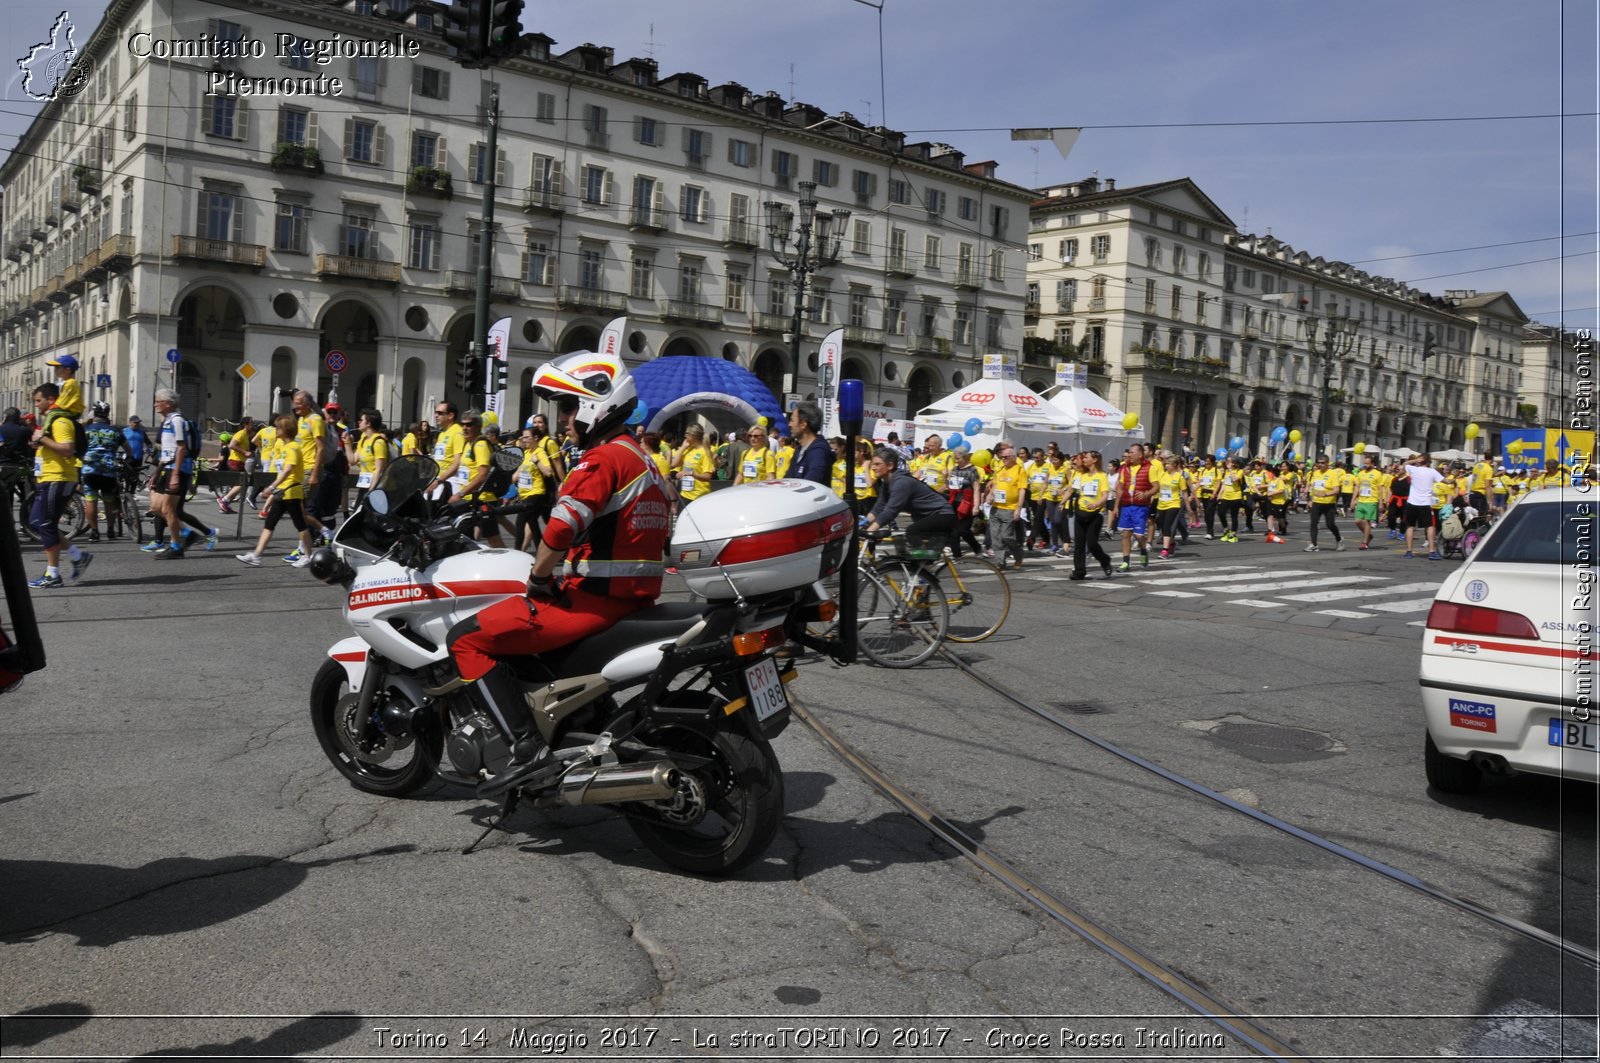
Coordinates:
column 977, row 396
column 1094, row 411
column 1024, row 400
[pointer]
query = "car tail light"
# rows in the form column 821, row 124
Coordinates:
column 1476, row 620
column 748, row 642
column 763, row 546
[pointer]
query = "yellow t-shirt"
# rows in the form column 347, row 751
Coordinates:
column 1056, row 482
column 1370, row 485
column 446, row 447
column 1008, row 487
column 1093, row 488
column 759, row 463
column 1038, row 479
column 409, row 445
column 695, row 459
column 311, row 429
column 1230, row 485
column 1276, row 488
column 838, row 477
column 1326, row 486
column 266, row 443
column 933, row 469
column 866, row 483
column 289, row 454
column 70, row 399
column 1207, row 479
column 785, row 459
column 1170, row 487
column 529, row 482
column 50, row 467
column 369, row 452
column 473, row 459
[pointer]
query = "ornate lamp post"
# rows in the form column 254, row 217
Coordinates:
column 814, row 246
column 1338, row 340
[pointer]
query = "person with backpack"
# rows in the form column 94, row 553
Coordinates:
column 367, row 453
column 100, row 471
column 57, row 445
column 176, row 453
column 477, row 463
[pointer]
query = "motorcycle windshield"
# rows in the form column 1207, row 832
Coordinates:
column 405, row 478
column 391, row 506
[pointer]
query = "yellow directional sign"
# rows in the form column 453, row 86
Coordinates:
column 246, row 370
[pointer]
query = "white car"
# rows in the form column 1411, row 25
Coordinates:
column 1509, row 654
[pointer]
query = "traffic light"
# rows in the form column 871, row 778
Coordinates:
column 503, row 34
column 469, row 374
column 1428, row 345
column 465, row 29
column 497, row 376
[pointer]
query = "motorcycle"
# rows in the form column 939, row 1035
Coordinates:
column 669, row 715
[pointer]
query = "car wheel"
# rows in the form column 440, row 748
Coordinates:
column 1448, row 774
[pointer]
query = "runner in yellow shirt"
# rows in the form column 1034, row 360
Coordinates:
column 1088, row 491
column 759, row 462
column 1371, row 487
column 477, row 462
column 286, row 461
column 1008, row 486
column 932, row 466
column 1326, row 487
column 1173, row 495
column 866, row 479
column 1231, row 486
column 368, row 453
column 694, row 466
column 785, row 456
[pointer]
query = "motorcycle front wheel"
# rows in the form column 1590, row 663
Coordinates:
column 725, row 813
column 371, row 760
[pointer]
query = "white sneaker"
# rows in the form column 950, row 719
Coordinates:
column 303, row 562
column 251, row 559
column 1312, row 549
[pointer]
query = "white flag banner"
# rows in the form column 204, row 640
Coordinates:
column 830, row 358
column 611, row 337
column 497, row 369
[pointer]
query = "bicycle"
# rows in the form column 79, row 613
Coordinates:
column 20, row 489
column 902, row 612
column 977, row 593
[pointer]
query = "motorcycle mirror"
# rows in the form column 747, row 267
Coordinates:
column 377, row 500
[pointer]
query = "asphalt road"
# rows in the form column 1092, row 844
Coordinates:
column 182, row 872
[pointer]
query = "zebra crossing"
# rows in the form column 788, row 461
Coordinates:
column 1297, row 588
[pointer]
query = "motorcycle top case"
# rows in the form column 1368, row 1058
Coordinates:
column 760, row 538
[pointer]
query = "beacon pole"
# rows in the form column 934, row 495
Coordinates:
column 852, row 402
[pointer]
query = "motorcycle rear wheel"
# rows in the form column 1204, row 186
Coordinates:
column 741, row 792
column 342, row 737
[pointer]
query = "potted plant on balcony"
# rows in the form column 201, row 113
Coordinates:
column 86, row 178
column 288, row 155
column 428, row 180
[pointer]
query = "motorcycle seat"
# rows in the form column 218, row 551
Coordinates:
column 657, row 623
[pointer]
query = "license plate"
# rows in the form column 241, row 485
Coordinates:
column 766, row 689
column 1573, row 735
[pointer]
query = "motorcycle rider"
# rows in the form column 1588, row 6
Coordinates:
column 610, row 522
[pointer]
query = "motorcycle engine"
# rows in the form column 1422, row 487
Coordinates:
column 476, row 744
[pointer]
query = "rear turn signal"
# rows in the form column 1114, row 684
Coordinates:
column 750, row 642
column 1461, row 619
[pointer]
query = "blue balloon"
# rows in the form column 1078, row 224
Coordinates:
column 953, row 441
column 1279, row 434
column 638, row 414
column 974, row 426
column 1236, row 443
column 1220, row 453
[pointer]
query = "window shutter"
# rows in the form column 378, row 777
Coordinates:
column 416, row 78
column 311, row 130
column 522, row 270
column 444, row 84
column 705, row 145
column 606, row 190
column 501, row 171
column 236, row 208
column 201, row 202
column 658, row 200
column 211, row 28
column 349, row 137
column 474, row 152
column 411, row 149
column 383, row 76
column 638, row 128
column 730, row 149
column 441, row 160
column 553, row 184
column 549, row 268
column 377, row 145
column 241, row 121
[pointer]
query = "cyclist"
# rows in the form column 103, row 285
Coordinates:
column 901, row 492
column 612, row 514
column 100, row 471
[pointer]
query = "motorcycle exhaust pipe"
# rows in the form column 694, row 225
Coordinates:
column 605, row 785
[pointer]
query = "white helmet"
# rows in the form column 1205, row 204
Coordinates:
column 599, row 384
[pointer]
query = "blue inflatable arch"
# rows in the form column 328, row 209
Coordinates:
column 677, row 384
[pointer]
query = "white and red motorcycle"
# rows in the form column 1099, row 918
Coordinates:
column 669, row 715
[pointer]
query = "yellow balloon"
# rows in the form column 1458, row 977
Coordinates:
column 490, row 419
column 1360, row 448
column 1472, row 431
column 764, row 422
column 1515, row 446
column 982, row 459
column 1130, row 421
column 1294, row 435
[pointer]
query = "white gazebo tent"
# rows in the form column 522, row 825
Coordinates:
column 999, row 409
column 1097, row 424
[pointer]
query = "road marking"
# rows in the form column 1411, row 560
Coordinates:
column 1174, row 594
column 1361, row 592
column 1413, row 605
column 1278, row 585
column 1254, row 604
column 1252, row 574
column 1346, row 614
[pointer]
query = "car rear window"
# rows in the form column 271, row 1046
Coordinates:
column 1561, row 533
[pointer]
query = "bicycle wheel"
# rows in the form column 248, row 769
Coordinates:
column 23, row 500
column 978, row 595
column 76, row 520
column 903, row 614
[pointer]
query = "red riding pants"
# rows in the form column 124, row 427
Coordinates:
column 517, row 627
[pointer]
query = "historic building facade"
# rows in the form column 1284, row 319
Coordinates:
column 173, row 205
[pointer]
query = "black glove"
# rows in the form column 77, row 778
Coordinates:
column 546, row 589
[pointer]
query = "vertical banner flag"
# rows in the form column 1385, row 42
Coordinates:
column 611, row 337
column 496, row 369
column 830, row 357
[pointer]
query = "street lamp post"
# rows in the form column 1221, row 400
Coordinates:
column 1338, row 340
column 806, row 256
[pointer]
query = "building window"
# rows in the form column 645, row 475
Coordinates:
column 594, row 126
column 932, row 259
column 894, row 314
column 1152, row 251
column 689, row 281
column 692, row 205
column 293, row 126
column 367, row 77
column 858, row 308
column 591, row 268
column 1248, row 279
column 1100, row 247
column 1200, row 309
column 647, row 131
column 741, row 153
column 1097, row 290
column 783, row 167
column 1035, row 252
column 997, row 264
column 1204, row 267
column 361, row 142
column 357, row 238
column 641, row 278
column 899, row 191
column 696, row 148
column 130, row 117
column 817, row 305
column 967, row 208
column 733, row 285
column 594, row 185
column 226, row 117
column 861, row 238
column 994, row 328
column 963, row 326
column 1180, row 258
column 865, row 185
column 935, row 203
column 777, row 295
column 1066, row 293
column 825, row 173
column 289, row 231
column 424, row 251
column 1064, row 335
column 221, row 216
column 536, row 261
column 1177, row 302
column 424, row 149
column 545, row 108
column 430, row 83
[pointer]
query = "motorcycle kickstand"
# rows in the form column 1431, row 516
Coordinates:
column 513, row 796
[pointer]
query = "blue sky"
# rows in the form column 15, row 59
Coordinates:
column 1200, row 72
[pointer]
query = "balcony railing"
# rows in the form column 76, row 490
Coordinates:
column 54, row 290
column 199, row 247
column 460, row 280
column 545, row 196
column 505, row 288
column 969, row 277
column 902, row 265
column 348, row 267
column 932, row 346
column 647, row 219
column 740, row 234
column 863, row 336
column 71, row 199
column 771, row 322
column 1031, row 308
column 38, row 299
column 114, row 255
column 1097, row 304
column 577, row 297
column 694, row 313
column 72, row 281
column 1172, row 362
